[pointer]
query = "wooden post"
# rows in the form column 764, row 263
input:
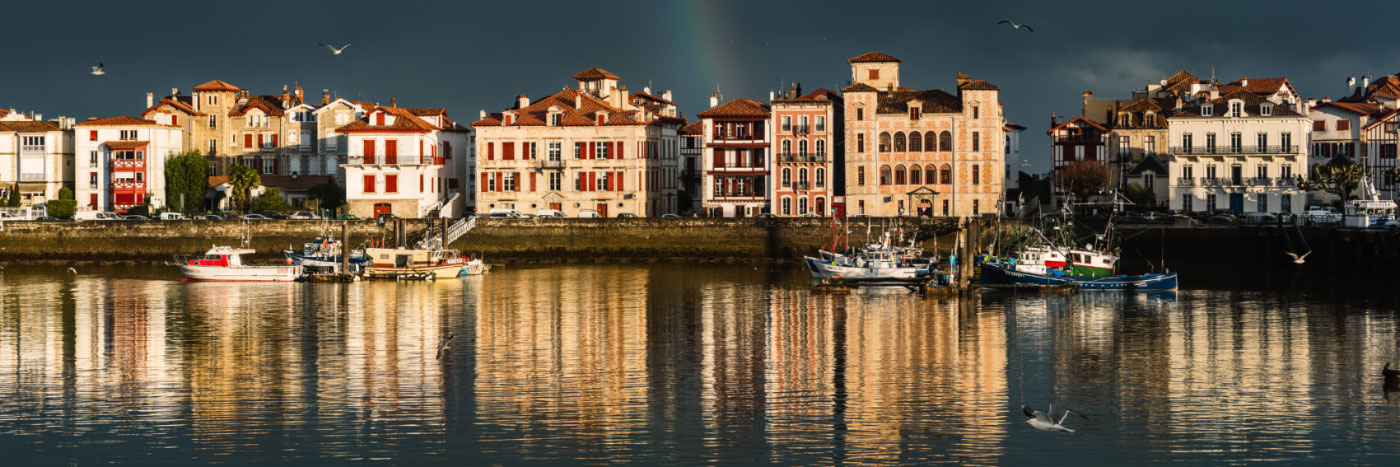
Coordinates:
column 345, row 248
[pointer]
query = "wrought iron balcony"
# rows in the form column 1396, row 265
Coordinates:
column 32, row 177
column 1185, row 181
column 1210, row 181
column 549, row 164
column 1259, row 181
column 1189, row 150
column 801, row 157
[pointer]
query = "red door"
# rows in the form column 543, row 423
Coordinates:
column 382, row 209
column 603, row 209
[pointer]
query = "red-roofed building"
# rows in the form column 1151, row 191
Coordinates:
column 406, row 162
column 737, row 160
column 593, row 149
column 1361, row 128
column 121, row 161
column 807, row 152
column 36, row 157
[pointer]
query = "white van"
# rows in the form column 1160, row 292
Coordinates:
column 500, row 213
column 549, row 213
column 171, row 216
column 588, row 214
column 92, row 216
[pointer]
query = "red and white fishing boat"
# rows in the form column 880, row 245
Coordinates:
column 223, row 263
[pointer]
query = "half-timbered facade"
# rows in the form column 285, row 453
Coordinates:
column 737, row 161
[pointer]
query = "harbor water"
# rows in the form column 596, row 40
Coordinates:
column 680, row 364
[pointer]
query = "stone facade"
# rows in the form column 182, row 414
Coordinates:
column 594, row 149
column 1240, row 152
column 959, row 156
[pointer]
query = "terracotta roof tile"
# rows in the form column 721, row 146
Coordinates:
column 404, row 120
column 272, row 105
column 979, row 85
column 217, row 85
column 696, row 129
column 820, row 95
column 1220, row 106
column 860, row 87
column 738, row 108
column 28, row 126
column 120, row 121
column 125, row 144
column 585, row 114
column 1263, row 86
column 1051, row 131
column 177, row 104
column 873, row 57
column 934, row 101
column 643, row 95
column 216, row 180
column 428, row 112
column 595, row 73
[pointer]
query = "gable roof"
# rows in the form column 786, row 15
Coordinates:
column 860, row 87
column 1360, row 108
column 644, row 95
column 1051, row 131
column 1148, row 163
column 1252, row 102
column 595, row 73
column 270, row 104
column 404, row 120
column 1261, row 86
column 695, row 129
column 934, row 101
column 120, row 121
column 217, row 85
column 979, row 85
column 176, row 104
column 1390, row 116
column 576, row 108
column 1387, row 86
column 869, row 57
column 820, row 95
column 737, row 108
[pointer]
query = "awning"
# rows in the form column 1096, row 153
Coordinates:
column 32, row 187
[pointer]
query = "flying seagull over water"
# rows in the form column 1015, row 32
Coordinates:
column 72, row 271
column 335, row 51
column 445, row 345
column 1043, row 422
column 1017, row 26
column 97, row 70
column 1297, row 259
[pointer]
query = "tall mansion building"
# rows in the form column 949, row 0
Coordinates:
column 594, row 148
column 927, row 153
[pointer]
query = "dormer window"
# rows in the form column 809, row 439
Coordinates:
column 1150, row 119
column 1208, row 110
column 915, row 112
column 1125, row 120
column 555, row 118
column 1266, row 109
column 1236, row 108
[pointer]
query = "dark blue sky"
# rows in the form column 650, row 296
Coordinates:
column 467, row 56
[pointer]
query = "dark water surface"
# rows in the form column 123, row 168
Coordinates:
column 676, row 364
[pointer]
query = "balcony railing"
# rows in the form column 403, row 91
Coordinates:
column 801, row 157
column 801, row 186
column 1259, row 181
column 129, row 184
column 31, row 148
column 387, row 160
column 801, row 129
column 1239, row 150
column 549, row 164
column 1288, row 182
column 32, row 177
column 129, row 163
column 1211, row 182
column 1185, row 181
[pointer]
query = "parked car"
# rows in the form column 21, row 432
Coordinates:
column 386, row 217
column 254, row 217
column 1322, row 215
column 211, row 217
column 348, row 216
column 171, row 216
column 504, row 213
column 626, row 215
column 810, row 215
column 670, row 216
column 1224, row 219
column 1260, row 218
column 303, row 215
column 47, row 218
column 93, row 216
column 135, row 217
column 271, row 214
column 549, row 213
column 588, row 214
column 766, row 215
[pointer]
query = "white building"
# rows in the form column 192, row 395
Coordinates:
column 36, row 157
column 123, row 162
column 1240, row 152
column 406, row 162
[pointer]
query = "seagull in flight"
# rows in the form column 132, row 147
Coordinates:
column 1017, row 26
column 1297, row 259
column 1043, row 422
column 97, row 70
column 444, row 346
column 335, row 51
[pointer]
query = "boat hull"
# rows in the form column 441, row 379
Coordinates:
column 825, row 270
column 443, row 271
column 473, row 268
column 997, row 275
column 241, row 273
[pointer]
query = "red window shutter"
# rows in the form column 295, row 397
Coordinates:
column 369, row 148
column 379, row 119
column 619, row 150
column 507, row 151
column 641, row 179
column 274, row 141
column 485, row 181
column 532, row 181
column 92, row 135
column 391, row 183
column 420, row 183
column 369, row 184
column 92, row 200
column 260, row 139
column 499, row 179
column 276, row 166
column 515, row 179
column 248, row 141
column 621, row 184
column 391, row 147
column 175, row 120
column 607, row 149
column 592, row 150
column 592, row 181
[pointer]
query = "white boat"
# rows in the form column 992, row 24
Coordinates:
column 413, row 263
column 875, row 262
column 223, row 263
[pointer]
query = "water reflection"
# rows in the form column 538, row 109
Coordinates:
column 668, row 363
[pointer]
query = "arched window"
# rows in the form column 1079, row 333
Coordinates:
column 915, row 173
column 899, row 178
column 884, row 141
column 787, row 177
column 802, row 147
column 786, row 206
column 802, row 176
column 946, row 177
column 801, row 205
column 884, row 175
column 787, row 146
column 821, row 177
column 821, row 146
column 930, row 141
column 916, row 142
column 899, row 145
column 945, row 141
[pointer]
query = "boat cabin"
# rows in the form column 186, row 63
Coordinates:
column 221, row 256
column 405, row 258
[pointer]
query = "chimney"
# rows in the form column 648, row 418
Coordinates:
column 714, row 100
column 1214, row 92
column 578, row 101
column 1244, row 81
column 770, row 96
column 325, row 97
column 1052, row 120
column 174, row 92
column 393, row 102
column 483, row 115
column 666, row 95
column 646, row 90
column 300, row 96
column 1088, row 95
column 1365, row 82
column 150, row 99
column 522, row 101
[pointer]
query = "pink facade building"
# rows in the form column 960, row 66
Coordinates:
column 805, row 136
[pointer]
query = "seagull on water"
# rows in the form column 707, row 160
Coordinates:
column 1016, row 25
column 335, row 51
column 1297, row 259
column 1043, row 422
column 445, row 345
column 97, row 70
